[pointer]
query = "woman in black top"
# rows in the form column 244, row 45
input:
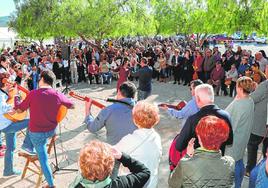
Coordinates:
column 96, row 162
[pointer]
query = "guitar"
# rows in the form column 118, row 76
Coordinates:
column 179, row 106
column 21, row 116
column 87, row 99
column 16, row 116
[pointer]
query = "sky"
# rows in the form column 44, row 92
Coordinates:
column 6, row 7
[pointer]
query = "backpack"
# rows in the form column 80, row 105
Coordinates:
column 174, row 155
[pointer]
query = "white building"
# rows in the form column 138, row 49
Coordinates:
column 7, row 37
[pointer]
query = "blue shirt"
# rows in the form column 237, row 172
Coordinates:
column 190, row 109
column 116, row 118
column 254, row 173
column 4, row 108
column 242, row 68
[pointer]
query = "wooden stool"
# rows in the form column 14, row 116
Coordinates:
column 32, row 159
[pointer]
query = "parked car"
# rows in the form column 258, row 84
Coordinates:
column 261, row 40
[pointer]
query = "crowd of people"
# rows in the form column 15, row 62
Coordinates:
column 177, row 61
column 212, row 142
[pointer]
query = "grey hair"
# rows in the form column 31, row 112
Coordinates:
column 205, row 93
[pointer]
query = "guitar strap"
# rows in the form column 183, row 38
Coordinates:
column 4, row 92
column 119, row 101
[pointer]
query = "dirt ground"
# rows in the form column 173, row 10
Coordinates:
column 73, row 134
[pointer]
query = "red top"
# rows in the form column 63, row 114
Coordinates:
column 93, row 69
column 44, row 104
column 198, row 63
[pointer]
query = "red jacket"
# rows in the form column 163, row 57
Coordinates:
column 93, row 69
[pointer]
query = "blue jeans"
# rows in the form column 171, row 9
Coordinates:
column 106, row 77
column 39, row 140
column 239, row 173
column 1, row 142
column 35, row 81
column 143, row 94
column 10, row 133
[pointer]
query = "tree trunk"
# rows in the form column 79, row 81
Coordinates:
column 41, row 43
column 98, row 45
column 198, row 39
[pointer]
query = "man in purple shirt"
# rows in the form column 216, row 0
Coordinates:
column 216, row 77
column 191, row 107
column 44, row 105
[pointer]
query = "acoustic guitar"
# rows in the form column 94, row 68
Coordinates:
column 16, row 116
column 21, row 116
column 84, row 98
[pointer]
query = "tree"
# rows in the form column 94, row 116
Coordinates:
column 38, row 19
column 98, row 20
column 94, row 20
column 34, row 19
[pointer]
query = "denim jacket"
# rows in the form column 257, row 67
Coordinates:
column 4, row 108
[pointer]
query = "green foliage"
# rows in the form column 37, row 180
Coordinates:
column 99, row 19
column 34, row 19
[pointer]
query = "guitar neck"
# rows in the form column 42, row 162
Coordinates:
column 26, row 91
column 87, row 99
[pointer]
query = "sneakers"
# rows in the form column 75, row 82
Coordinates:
column 2, row 150
column 28, row 151
column 2, row 153
column 14, row 173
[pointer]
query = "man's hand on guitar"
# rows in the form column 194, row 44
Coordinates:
column 163, row 107
column 12, row 112
column 16, row 90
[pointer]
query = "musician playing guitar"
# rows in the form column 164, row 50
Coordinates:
column 116, row 118
column 190, row 108
column 10, row 128
column 44, row 104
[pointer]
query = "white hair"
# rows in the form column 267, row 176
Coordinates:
column 205, row 93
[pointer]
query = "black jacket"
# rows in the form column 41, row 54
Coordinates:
column 137, row 179
column 145, row 78
column 179, row 60
column 188, row 130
